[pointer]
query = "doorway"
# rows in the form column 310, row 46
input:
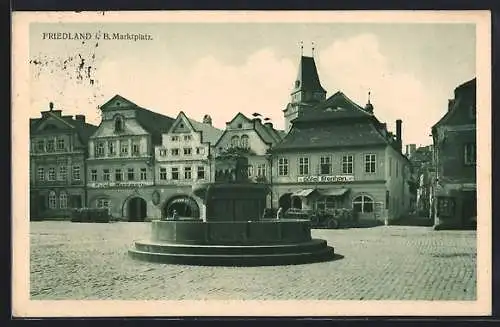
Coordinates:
column 136, row 209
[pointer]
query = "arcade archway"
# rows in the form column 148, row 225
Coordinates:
column 185, row 206
column 296, row 202
column 285, row 201
column 136, row 209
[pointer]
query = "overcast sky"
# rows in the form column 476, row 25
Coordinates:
column 221, row 69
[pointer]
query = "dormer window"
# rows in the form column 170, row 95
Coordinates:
column 118, row 124
column 297, row 83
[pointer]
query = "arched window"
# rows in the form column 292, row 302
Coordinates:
column 118, row 124
column 244, row 141
column 362, row 203
column 63, row 200
column 235, row 140
column 52, row 200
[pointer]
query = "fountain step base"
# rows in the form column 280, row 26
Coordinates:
column 231, row 255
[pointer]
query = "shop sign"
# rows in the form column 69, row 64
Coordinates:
column 119, row 184
column 325, row 179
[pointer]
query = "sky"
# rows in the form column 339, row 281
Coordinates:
column 221, row 69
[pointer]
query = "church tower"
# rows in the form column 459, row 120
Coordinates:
column 307, row 90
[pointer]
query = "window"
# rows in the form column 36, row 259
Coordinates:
column 105, row 175
column 40, row 146
column 60, row 144
column 240, row 125
column 118, row 175
column 52, row 200
column 175, row 173
column 200, row 150
column 470, row 154
column 201, row 172
column 163, row 152
column 303, row 166
column 52, row 174
column 130, row 174
column 363, row 204
column 76, row 173
column 163, row 173
column 41, row 174
column 187, row 138
column 111, row 148
column 370, row 160
column 347, row 164
column 175, row 138
column 187, row 172
column 325, row 165
column 103, row 204
column 99, row 149
column 175, row 152
column 326, row 203
column 123, row 148
column 118, row 124
column 283, row 167
column 261, row 170
column 50, row 145
column 235, row 141
column 390, row 166
column 63, row 200
column 93, row 175
column 244, row 141
column 135, row 149
column 144, row 174
column 187, row 151
column 63, row 173
column 250, row 171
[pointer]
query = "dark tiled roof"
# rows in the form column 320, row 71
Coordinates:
column 308, row 76
column 332, row 135
column 337, row 106
column 84, row 130
column 156, row 124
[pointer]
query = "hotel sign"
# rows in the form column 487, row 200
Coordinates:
column 325, row 179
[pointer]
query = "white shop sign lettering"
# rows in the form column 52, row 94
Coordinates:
column 325, row 179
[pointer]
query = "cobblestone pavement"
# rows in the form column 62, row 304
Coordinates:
column 90, row 261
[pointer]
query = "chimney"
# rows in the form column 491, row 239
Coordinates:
column 80, row 118
column 51, row 106
column 207, row 120
column 399, row 122
column 451, row 102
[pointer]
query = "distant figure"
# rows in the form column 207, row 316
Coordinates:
column 174, row 215
column 278, row 213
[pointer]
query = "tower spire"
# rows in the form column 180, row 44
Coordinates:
column 301, row 48
column 312, row 48
column 369, row 93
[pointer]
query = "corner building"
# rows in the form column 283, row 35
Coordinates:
column 120, row 166
column 338, row 155
column 58, row 153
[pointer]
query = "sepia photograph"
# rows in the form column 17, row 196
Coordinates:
column 251, row 163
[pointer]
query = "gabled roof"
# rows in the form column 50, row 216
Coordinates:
column 83, row 129
column 154, row 123
column 330, row 136
column 209, row 133
column 308, row 76
column 456, row 102
column 335, row 107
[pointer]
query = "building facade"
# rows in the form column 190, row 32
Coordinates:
column 454, row 137
column 120, row 166
column 253, row 139
column 338, row 155
column 184, row 158
column 58, row 153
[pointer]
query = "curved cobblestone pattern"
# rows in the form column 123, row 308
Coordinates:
column 90, row 261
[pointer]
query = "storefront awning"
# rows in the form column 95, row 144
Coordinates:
column 334, row 191
column 304, row 193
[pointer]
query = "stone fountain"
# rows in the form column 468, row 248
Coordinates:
column 232, row 232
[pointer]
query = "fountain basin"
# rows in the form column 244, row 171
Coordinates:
column 240, row 243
